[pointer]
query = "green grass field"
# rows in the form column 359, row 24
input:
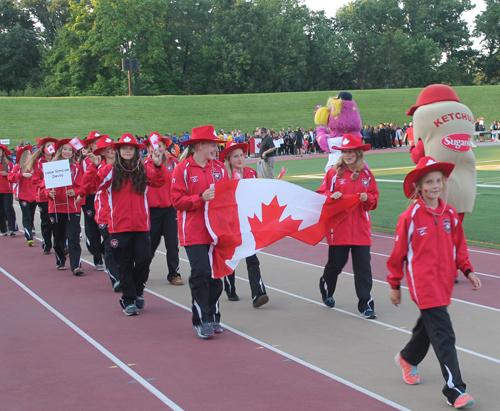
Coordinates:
column 481, row 227
column 27, row 118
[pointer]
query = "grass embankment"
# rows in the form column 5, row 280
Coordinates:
column 27, row 118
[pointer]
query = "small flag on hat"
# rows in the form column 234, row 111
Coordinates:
column 283, row 171
column 51, row 149
column 76, row 144
column 154, row 140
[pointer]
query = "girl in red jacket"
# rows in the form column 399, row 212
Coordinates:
column 351, row 176
column 24, row 191
column 6, row 196
column 162, row 212
column 64, row 211
column 103, row 149
column 430, row 242
column 125, row 182
column 233, row 157
column 193, row 184
column 43, row 154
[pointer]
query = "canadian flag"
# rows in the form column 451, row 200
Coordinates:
column 248, row 215
column 154, row 140
column 76, row 144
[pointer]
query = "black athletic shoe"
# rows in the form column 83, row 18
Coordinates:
column 329, row 302
column 233, row 297
column 368, row 314
column 260, row 300
column 216, row 327
column 46, row 252
column 204, row 330
column 131, row 310
column 140, row 303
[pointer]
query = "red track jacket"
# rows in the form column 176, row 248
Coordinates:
column 38, row 180
column 5, row 185
column 128, row 211
column 160, row 197
column 189, row 183
column 431, row 248
column 356, row 229
column 63, row 203
column 23, row 188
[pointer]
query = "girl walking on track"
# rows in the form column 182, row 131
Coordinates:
column 351, row 176
column 233, row 157
column 64, row 211
column 430, row 242
column 43, row 154
column 125, row 184
column 6, row 197
column 25, row 191
column 162, row 212
column 194, row 182
column 104, row 149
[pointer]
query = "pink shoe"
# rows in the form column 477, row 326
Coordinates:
column 410, row 372
column 462, row 401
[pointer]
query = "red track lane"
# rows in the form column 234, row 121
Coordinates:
column 483, row 263
column 49, row 366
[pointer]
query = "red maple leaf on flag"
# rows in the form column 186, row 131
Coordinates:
column 271, row 229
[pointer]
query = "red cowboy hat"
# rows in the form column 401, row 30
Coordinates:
column 165, row 140
column 42, row 141
column 62, row 142
column 352, row 142
column 201, row 135
column 230, row 147
column 434, row 94
column 93, row 136
column 127, row 139
column 103, row 142
column 21, row 150
column 5, row 149
column 425, row 166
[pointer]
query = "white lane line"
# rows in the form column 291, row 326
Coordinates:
column 378, row 281
column 162, row 397
column 293, row 358
column 381, row 180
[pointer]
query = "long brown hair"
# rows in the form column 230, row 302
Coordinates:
column 358, row 166
column 3, row 157
column 23, row 162
column 189, row 151
column 132, row 171
column 58, row 155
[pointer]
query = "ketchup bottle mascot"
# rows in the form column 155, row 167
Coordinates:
column 442, row 129
column 339, row 117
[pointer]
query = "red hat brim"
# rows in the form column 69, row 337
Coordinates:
column 62, row 142
column 21, row 150
column 46, row 140
column 5, row 149
column 201, row 140
column 223, row 154
column 417, row 174
column 364, row 147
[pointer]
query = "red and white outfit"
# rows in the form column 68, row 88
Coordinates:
column 430, row 246
column 189, row 183
column 64, row 214
column 7, row 213
column 25, row 192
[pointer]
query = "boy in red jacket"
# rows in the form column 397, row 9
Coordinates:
column 430, row 272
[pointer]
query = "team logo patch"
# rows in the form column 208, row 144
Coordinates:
column 113, row 243
column 24, row 203
column 89, row 213
column 52, row 220
column 365, row 182
column 447, row 225
column 169, row 167
column 102, row 226
column 216, row 174
column 341, row 181
column 422, row 231
column 194, row 179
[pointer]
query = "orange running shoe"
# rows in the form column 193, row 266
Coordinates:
column 462, row 401
column 410, row 372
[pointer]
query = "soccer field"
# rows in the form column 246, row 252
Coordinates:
column 390, row 169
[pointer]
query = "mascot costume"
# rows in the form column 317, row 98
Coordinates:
column 443, row 129
column 339, row 117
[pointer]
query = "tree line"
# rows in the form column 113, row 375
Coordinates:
column 74, row 48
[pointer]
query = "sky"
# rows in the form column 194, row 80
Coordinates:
column 331, row 7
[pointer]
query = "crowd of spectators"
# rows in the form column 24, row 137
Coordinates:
column 386, row 135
